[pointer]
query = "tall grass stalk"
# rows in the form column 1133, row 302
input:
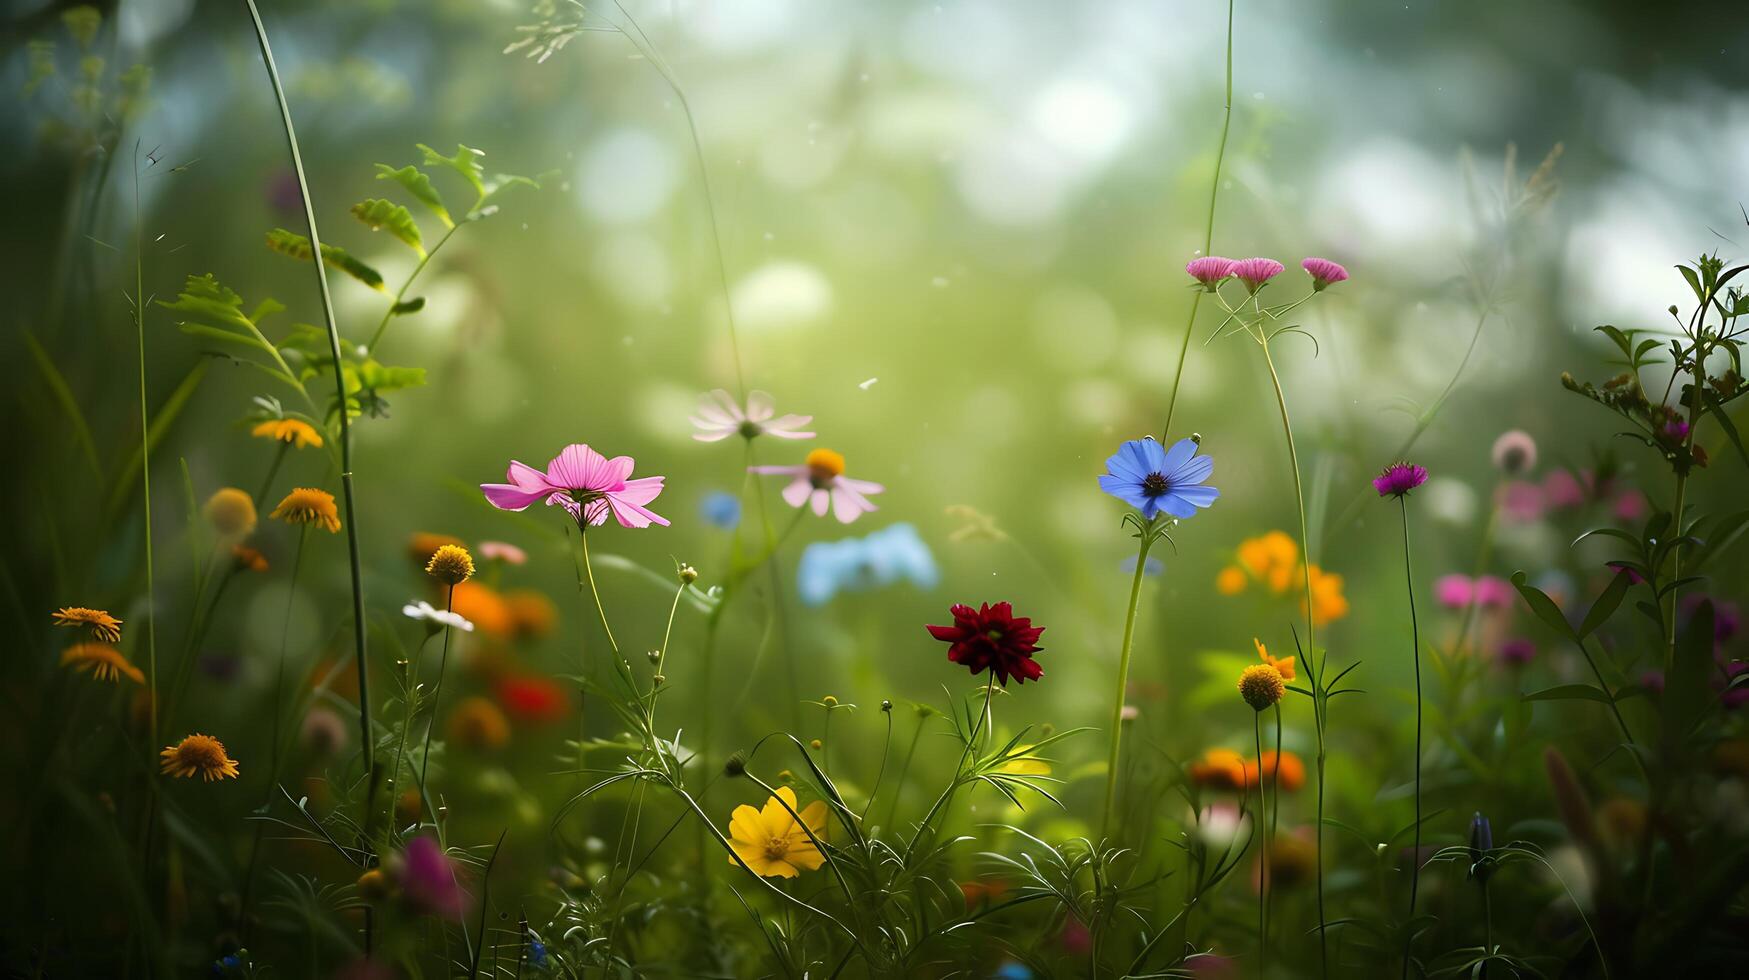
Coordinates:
column 1415, row 652
column 145, row 461
column 361, row 661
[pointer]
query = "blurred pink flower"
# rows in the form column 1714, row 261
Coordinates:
column 1255, row 272
column 1075, row 938
column 820, row 480
column 1454, row 591
column 719, row 417
column 428, row 879
column 1514, row 453
column 1630, row 506
column 1520, row 500
column 1324, row 272
column 503, row 551
column 1493, row 592
column 1210, row 270
column 1516, row 651
column 1562, row 490
column 585, row 483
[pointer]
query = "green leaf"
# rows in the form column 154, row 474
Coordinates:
column 206, row 297
column 380, row 214
column 294, row 245
column 1570, row 692
column 382, row 378
column 70, row 405
column 413, row 305
column 1605, row 605
column 465, row 162
column 1693, row 282
column 414, row 182
column 1544, row 607
column 1725, row 423
column 1685, row 690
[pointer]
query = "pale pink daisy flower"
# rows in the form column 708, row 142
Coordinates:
column 1210, row 270
column 1324, row 272
column 820, row 480
column 719, row 417
column 503, row 551
column 1255, row 272
column 585, row 483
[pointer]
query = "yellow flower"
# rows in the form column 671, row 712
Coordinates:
column 825, row 464
column 771, row 842
column 104, row 662
column 289, row 430
column 450, row 564
column 306, row 506
column 1231, row 580
column 1272, row 559
column 1328, row 603
column 1283, row 665
column 231, row 512
column 1261, row 686
column 102, row 625
column 201, row 754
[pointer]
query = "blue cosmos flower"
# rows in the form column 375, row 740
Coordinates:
column 721, row 509
column 892, row 554
column 1153, row 479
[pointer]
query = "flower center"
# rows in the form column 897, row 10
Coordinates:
column 749, row 429
column 824, row 465
column 777, row 848
column 1154, row 485
column 202, row 752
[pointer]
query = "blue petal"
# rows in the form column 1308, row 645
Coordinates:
column 1176, row 457
column 1145, row 455
column 1176, row 504
column 1200, row 496
column 1192, row 472
column 1122, row 487
column 1122, row 465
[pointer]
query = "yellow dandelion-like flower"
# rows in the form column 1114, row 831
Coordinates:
column 1283, row 665
column 102, row 625
column 824, row 464
column 771, row 842
column 102, row 661
column 294, row 431
column 200, row 754
column 450, row 564
column 308, row 506
column 231, row 512
column 1261, row 686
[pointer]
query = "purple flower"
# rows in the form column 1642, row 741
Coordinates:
column 585, row 483
column 1152, row 479
column 1399, row 478
column 1210, row 270
column 1324, row 273
column 428, row 879
column 1521, row 501
column 1255, row 272
column 719, row 418
column 1516, row 651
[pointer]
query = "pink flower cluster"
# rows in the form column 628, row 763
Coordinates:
column 1212, row 270
column 1459, row 592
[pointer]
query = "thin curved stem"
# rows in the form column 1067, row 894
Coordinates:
column 1415, row 652
column 145, row 461
column 436, row 692
column 400, row 294
column 1123, row 679
column 1263, row 875
column 589, row 573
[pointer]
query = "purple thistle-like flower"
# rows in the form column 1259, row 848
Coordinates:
column 1324, row 272
column 1399, row 478
column 1210, row 270
column 1255, row 272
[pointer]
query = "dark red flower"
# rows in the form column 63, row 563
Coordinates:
column 993, row 637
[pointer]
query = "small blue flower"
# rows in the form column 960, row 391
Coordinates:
column 1013, row 970
column 721, row 509
column 537, row 953
column 892, row 554
column 1154, row 480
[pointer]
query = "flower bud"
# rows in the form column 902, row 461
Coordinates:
column 688, row 574
column 886, row 706
column 735, row 765
column 816, row 744
column 829, row 701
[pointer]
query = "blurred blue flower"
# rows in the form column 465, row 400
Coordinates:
column 537, row 953
column 889, row 555
column 1012, row 970
column 721, row 509
column 1153, row 567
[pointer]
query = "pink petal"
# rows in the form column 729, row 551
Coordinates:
column 507, row 497
column 575, row 467
column 640, row 491
column 848, row 505
column 726, row 404
column 524, row 475
column 760, row 406
column 631, row 514
column 780, row 470
column 788, row 427
column 860, row 486
column 711, row 433
column 822, row 499
column 796, row 494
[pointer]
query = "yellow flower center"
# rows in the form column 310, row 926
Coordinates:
column 777, row 848
column 825, row 464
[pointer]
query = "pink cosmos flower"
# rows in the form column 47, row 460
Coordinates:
column 719, row 418
column 503, row 551
column 585, row 483
column 1493, row 592
column 1210, row 270
column 428, row 879
column 821, row 480
column 1454, row 591
column 1324, row 273
column 1255, row 272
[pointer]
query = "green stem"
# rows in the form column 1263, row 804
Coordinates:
column 959, row 769
column 361, row 661
column 589, row 574
column 1208, row 233
column 1263, row 874
column 272, row 471
column 145, row 459
column 388, row 314
column 1415, row 653
column 1123, row 679
column 436, row 692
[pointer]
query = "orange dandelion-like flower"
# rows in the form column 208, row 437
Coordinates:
column 1283, row 665
column 102, row 661
column 478, row 724
column 1219, row 769
column 102, row 625
column 531, row 613
column 307, row 506
column 200, row 754
column 294, row 431
column 450, row 564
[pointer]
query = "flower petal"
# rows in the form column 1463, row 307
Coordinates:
column 1191, row 472
column 1177, row 456
column 506, row 496
column 797, row 492
column 760, row 406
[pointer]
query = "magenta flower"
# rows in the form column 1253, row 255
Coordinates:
column 1631, row 506
column 1493, row 592
column 821, row 480
column 1399, row 478
column 1255, row 272
column 1324, row 272
column 1564, row 490
column 1210, row 270
column 428, row 879
column 1454, row 591
column 585, row 483
column 1520, row 500
column 719, row 417
column 1516, row 651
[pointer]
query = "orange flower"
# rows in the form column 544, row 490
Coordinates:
column 248, row 559
column 309, row 506
column 1283, row 665
column 482, row 605
column 201, row 754
column 102, row 625
column 1219, row 769
column 478, row 724
column 421, row 545
column 102, row 661
column 1328, row 602
column 1264, row 767
column 531, row 612
column 1271, row 559
column 1231, row 580
column 289, row 430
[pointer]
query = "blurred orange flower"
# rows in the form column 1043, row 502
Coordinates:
column 1219, row 769
column 484, row 607
column 531, row 613
column 1292, row 770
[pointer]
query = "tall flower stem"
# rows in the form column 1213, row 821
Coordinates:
column 145, row 460
column 436, row 692
column 361, row 661
column 1263, row 875
column 1208, row 232
column 1123, row 680
column 1415, row 653
column 589, row 574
